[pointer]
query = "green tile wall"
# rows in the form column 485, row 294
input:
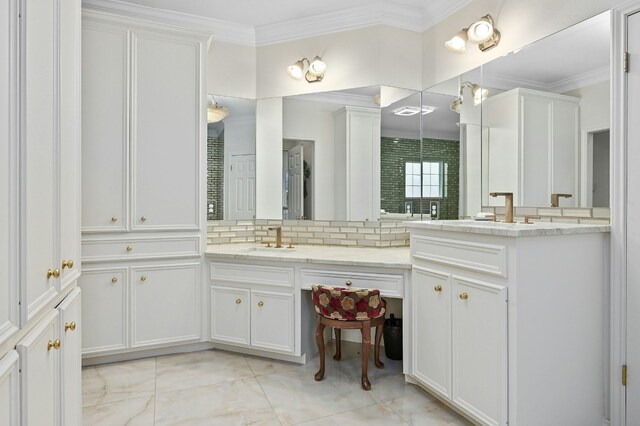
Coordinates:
column 394, row 155
column 215, row 177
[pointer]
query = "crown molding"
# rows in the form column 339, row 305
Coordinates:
column 222, row 30
column 338, row 99
column 588, row 78
column 381, row 13
column 434, row 14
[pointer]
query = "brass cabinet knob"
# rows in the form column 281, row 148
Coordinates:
column 129, row 249
column 464, row 296
column 438, row 288
column 114, row 280
column 260, row 304
column 49, row 274
column 348, row 283
column 143, row 218
column 67, row 264
column 143, row 278
column 56, row 273
column 69, row 326
column 114, row 219
column 238, row 301
column 53, row 345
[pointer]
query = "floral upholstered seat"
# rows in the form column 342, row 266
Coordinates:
column 349, row 308
column 348, row 304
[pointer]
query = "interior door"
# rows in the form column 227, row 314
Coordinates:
column 296, row 184
column 242, row 187
column 633, row 228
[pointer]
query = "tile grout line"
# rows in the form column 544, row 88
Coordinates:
column 263, row 392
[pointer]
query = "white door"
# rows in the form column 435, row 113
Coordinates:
column 633, row 228
column 272, row 322
column 230, row 315
column 70, row 332
column 296, row 183
column 241, row 196
column 9, row 390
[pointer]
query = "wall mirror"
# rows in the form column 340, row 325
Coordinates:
column 231, row 161
column 340, row 156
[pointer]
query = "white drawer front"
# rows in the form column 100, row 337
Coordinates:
column 252, row 274
column 130, row 249
column 479, row 257
column 390, row 285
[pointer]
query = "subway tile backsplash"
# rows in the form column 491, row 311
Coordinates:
column 585, row 215
column 321, row 232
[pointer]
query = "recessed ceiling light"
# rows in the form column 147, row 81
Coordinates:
column 407, row 111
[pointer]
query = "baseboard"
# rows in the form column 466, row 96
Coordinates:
column 148, row 353
column 264, row 354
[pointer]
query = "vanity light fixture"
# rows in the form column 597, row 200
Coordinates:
column 482, row 32
column 478, row 93
column 407, row 111
column 316, row 69
column 215, row 112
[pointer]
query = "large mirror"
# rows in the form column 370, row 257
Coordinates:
column 231, row 158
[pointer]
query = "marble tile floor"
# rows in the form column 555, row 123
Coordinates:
column 221, row 388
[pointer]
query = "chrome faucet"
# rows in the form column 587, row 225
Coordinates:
column 555, row 199
column 508, row 204
column 278, row 230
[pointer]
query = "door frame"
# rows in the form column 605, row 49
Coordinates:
column 619, row 214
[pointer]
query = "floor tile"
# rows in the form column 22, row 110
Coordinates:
column 131, row 412
column 373, row 415
column 183, row 371
column 121, row 381
column 239, row 402
column 422, row 409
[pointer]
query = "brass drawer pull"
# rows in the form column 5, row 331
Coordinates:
column 438, row 288
column 348, row 283
column 114, row 280
column 69, row 326
column 114, row 219
column 129, row 249
column 260, row 304
column 238, row 301
column 464, row 296
column 55, row 273
column 67, row 264
column 53, row 345
column 143, row 278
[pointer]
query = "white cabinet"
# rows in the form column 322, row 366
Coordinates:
column 357, row 163
column 70, row 332
column 136, row 306
column 10, row 389
column 531, row 145
column 253, row 306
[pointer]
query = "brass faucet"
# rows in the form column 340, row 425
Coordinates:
column 555, row 199
column 527, row 218
column 278, row 230
column 508, row 204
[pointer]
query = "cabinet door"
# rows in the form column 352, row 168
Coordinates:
column 104, row 127
column 165, row 304
column 9, row 298
column 230, row 315
column 9, row 390
column 39, row 144
column 104, row 297
column 39, row 363
column 480, row 349
column 70, row 330
column 431, row 298
column 272, row 321
column 565, row 156
column 69, row 192
column 167, row 133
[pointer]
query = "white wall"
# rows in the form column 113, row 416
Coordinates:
column 269, row 158
column 313, row 121
column 232, row 70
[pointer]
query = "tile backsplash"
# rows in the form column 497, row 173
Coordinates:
column 311, row 232
column 586, row 215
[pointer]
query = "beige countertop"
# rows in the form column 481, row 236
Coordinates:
column 508, row 229
column 387, row 257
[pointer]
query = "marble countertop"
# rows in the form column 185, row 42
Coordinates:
column 387, row 257
column 508, row 229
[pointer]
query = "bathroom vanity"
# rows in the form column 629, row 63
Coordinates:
column 508, row 319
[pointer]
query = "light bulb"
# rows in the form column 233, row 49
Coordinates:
column 317, row 66
column 457, row 43
column 295, row 70
column 481, row 30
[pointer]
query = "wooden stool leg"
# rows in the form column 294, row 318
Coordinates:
column 338, row 354
column 366, row 346
column 320, row 341
column 376, row 347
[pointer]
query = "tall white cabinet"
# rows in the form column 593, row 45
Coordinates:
column 143, row 182
column 40, row 223
column 530, row 141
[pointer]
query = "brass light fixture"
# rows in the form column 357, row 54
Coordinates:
column 482, row 32
column 316, row 69
column 478, row 93
column 215, row 112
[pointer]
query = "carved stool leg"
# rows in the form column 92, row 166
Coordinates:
column 320, row 341
column 338, row 354
column 366, row 346
column 376, row 347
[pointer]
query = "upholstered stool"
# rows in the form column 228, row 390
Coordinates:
column 350, row 308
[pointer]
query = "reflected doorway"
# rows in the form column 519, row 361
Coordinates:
column 297, row 175
column 598, row 168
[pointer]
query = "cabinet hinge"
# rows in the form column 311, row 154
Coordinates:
column 625, row 62
column 624, row 375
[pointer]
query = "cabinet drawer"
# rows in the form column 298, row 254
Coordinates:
column 120, row 249
column 479, row 257
column 390, row 285
column 252, row 274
